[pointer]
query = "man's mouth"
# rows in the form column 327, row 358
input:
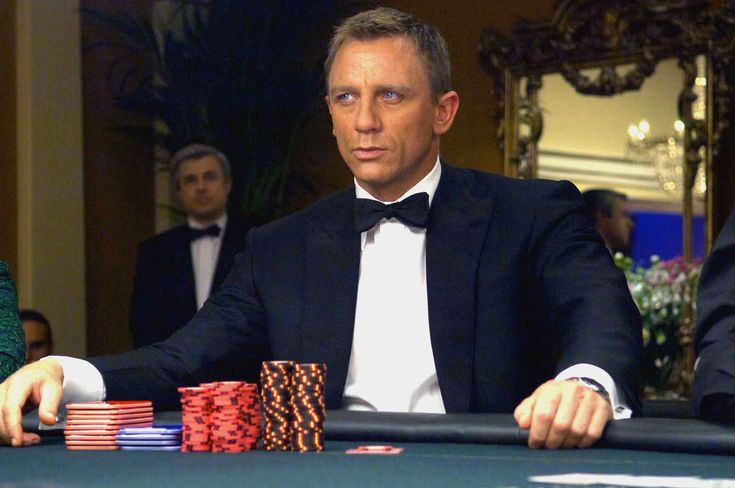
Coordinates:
column 367, row 153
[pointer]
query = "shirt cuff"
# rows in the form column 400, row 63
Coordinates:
column 584, row 370
column 82, row 381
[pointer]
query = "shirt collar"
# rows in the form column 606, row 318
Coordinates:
column 222, row 222
column 428, row 184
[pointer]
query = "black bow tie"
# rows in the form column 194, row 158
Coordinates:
column 413, row 211
column 213, row 230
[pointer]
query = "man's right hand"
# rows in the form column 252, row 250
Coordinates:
column 37, row 384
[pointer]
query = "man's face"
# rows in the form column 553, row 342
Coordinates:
column 385, row 118
column 202, row 188
column 617, row 227
column 37, row 340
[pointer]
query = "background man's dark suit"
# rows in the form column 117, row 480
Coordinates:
column 520, row 286
column 714, row 339
column 164, row 293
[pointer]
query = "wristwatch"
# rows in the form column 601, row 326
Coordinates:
column 592, row 385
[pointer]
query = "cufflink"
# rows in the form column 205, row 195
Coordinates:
column 592, row 385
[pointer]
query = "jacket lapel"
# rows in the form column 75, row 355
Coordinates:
column 332, row 268
column 184, row 274
column 458, row 225
column 227, row 252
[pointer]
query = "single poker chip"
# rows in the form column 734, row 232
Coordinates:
column 110, row 405
column 150, row 448
column 156, row 429
column 143, row 442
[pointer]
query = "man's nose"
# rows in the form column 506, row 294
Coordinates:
column 367, row 117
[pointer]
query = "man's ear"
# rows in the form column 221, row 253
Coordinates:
column 329, row 107
column 446, row 109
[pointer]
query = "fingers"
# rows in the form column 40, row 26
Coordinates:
column 563, row 414
column 597, row 424
column 523, row 412
column 580, row 425
column 37, row 383
column 30, row 439
column 548, row 398
column 51, row 393
column 17, row 392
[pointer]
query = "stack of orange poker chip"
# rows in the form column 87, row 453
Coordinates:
column 275, row 396
column 196, row 410
column 220, row 417
column 233, row 418
column 308, row 410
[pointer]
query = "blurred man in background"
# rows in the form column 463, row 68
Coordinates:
column 608, row 210
column 177, row 270
column 39, row 339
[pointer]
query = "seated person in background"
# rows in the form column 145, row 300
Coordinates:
column 472, row 293
column 11, row 332
column 39, row 339
column 609, row 212
column 177, row 270
column 713, row 390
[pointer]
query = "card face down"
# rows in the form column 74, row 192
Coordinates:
column 377, row 450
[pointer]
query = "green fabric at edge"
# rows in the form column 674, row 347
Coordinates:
column 12, row 340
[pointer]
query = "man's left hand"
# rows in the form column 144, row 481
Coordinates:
column 563, row 414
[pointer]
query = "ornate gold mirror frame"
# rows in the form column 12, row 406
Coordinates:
column 609, row 35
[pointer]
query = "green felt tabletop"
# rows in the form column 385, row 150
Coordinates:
column 419, row 465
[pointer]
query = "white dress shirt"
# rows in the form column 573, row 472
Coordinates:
column 204, row 255
column 392, row 363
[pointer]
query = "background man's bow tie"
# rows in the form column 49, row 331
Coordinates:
column 412, row 211
column 213, row 230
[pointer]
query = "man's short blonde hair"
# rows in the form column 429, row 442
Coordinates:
column 385, row 22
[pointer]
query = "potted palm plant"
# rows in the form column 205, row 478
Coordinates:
column 236, row 75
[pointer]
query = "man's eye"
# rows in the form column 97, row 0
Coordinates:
column 391, row 96
column 344, row 97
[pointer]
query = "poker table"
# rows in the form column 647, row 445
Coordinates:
column 438, row 450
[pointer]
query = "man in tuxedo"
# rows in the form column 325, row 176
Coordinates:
column 609, row 211
column 178, row 269
column 424, row 288
column 713, row 390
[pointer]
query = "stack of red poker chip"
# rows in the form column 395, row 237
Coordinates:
column 275, row 398
column 235, row 423
column 220, row 417
column 196, row 410
column 308, row 410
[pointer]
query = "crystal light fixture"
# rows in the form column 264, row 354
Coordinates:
column 666, row 155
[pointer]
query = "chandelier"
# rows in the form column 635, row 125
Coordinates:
column 666, row 156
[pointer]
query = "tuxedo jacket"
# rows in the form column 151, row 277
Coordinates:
column 519, row 286
column 164, row 291
column 713, row 390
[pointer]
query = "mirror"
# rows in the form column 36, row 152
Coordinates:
column 630, row 95
column 630, row 143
